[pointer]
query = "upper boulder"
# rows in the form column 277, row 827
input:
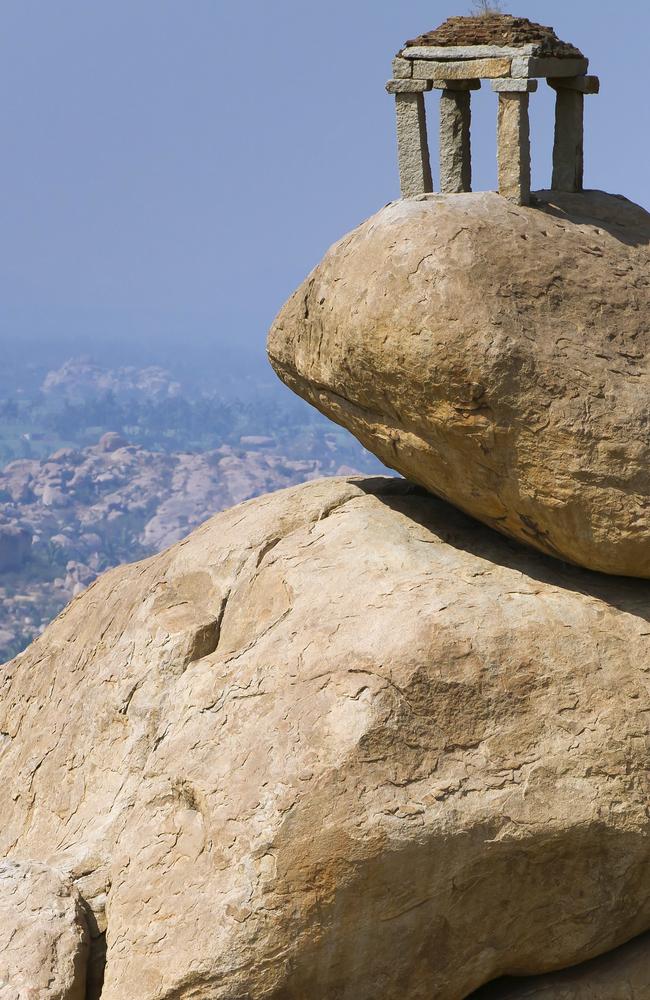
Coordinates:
column 498, row 355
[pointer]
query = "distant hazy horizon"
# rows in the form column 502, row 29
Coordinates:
column 171, row 171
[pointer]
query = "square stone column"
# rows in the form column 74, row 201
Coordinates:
column 514, row 146
column 568, row 148
column 413, row 145
column 455, row 148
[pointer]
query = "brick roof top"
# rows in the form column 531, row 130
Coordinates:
column 497, row 29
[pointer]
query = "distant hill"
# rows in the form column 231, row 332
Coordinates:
column 103, row 465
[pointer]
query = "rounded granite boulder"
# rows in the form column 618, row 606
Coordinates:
column 343, row 743
column 497, row 355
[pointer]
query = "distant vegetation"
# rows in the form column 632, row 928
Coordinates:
column 483, row 8
column 75, row 412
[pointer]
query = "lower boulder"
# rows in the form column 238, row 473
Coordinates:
column 341, row 742
column 43, row 935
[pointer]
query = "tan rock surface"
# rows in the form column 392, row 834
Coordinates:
column 341, row 743
column 623, row 974
column 513, row 144
column 498, row 355
column 43, row 935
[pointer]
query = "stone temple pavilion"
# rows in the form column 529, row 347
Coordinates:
column 513, row 53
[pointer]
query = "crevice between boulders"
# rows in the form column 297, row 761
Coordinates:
column 96, row 967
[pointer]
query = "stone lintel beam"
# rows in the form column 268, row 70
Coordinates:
column 408, row 86
column 413, row 145
column 521, row 86
column 456, row 84
column 455, row 150
column 456, row 52
column 402, row 68
column 585, row 84
column 514, row 147
column 568, row 147
column 523, row 66
column 469, row 69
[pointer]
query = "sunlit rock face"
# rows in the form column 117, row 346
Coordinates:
column 497, row 355
column 44, row 939
column 341, row 742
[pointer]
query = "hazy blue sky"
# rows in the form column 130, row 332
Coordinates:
column 179, row 165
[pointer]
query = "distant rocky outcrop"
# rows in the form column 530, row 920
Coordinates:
column 90, row 508
column 498, row 355
column 80, row 495
column 342, row 741
column 81, row 378
column 111, row 441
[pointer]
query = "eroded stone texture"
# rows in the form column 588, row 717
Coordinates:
column 404, row 86
column 467, row 69
column 499, row 356
column 456, row 52
column 340, row 742
column 514, row 86
column 412, row 145
column 586, row 84
column 525, row 66
column 43, row 934
column 623, row 974
column 402, row 68
column 513, row 147
column 455, row 149
column 568, row 148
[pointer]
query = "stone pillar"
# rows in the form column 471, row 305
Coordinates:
column 514, row 147
column 568, row 149
column 413, row 145
column 455, row 149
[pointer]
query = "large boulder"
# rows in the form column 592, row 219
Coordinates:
column 498, row 355
column 43, row 935
column 341, row 742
